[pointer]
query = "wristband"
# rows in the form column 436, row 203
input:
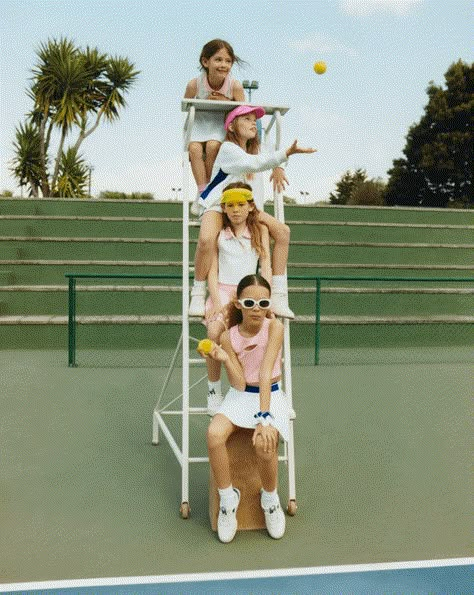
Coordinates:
column 264, row 418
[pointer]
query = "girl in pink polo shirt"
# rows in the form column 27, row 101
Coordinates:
column 251, row 353
column 215, row 83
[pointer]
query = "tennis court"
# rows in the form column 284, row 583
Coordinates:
column 382, row 469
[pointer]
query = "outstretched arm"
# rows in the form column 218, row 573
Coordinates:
column 295, row 150
column 234, row 160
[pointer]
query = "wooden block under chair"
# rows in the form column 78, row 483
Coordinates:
column 245, row 477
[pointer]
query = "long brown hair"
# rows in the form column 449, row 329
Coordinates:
column 253, row 144
column 213, row 46
column 234, row 314
column 255, row 228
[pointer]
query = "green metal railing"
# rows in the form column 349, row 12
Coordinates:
column 318, row 280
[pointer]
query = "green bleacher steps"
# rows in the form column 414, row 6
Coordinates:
column 42, row 239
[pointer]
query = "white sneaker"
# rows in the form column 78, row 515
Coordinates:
column 227, row 521
column 197, row 306
column 280, row 305
column 214, row 401
column 275, row 520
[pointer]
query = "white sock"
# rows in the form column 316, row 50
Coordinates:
column 280, row 284
column 215, row 386
column 200, row 285
column 227, row 497
column 269, row 498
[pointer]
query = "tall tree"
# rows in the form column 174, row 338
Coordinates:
column 72, row 90
column 437, row 168
column 346, row 186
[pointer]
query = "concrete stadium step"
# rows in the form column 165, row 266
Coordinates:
column 94, row 226
column 158, row 227
column 320, row 212
column 166, row 299
column 92, row 207
column 51, row 271
column 310, row 243
column 112, row 248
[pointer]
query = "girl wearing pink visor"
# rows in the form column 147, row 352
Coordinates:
column 238, row 160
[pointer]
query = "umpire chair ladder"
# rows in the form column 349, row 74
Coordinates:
column 190, row 107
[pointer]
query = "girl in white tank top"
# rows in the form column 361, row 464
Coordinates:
column 242, row 245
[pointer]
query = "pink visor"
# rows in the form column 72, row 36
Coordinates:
column 241, row 110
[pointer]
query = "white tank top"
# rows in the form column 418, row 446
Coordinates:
column 237, row 258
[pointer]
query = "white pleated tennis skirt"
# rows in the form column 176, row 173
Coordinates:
column 240, row 407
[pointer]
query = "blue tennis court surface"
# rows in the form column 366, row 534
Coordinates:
column 430, row 576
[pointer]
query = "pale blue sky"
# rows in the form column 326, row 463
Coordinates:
column 381, row 54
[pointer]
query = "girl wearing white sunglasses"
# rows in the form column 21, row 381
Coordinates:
column 251, row 353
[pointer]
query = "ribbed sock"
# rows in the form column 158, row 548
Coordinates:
column 280, row 283
column 199, row 286
column 215, row 386
column 227, row 496
column 269, row 498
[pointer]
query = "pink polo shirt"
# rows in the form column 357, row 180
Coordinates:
column 250, row 352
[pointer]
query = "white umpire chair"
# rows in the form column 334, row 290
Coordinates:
column 161, row 411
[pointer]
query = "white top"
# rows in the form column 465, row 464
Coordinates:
column 233, row 164
column 237, row 258
column 209, row 125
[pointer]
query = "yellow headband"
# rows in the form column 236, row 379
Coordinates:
column 236, row 194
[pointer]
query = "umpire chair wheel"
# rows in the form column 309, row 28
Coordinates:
column 292, row 507
column 184, row 510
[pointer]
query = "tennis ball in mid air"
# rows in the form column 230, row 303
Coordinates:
column 319, row 67
column 205, row 346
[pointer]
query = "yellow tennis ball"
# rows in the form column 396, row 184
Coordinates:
column 319, row 67
column 205, row 346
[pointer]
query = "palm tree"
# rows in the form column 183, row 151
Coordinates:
column 70, row 87
column 26, row 165
column 72, row 175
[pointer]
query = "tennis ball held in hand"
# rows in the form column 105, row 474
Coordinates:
column 205, row 346
column 319, row 67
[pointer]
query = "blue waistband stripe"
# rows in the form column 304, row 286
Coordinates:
column 256, row 389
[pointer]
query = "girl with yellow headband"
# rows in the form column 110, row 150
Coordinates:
column 243, row 245
column 239, row 160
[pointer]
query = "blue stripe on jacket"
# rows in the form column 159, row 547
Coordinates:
column 218, row 178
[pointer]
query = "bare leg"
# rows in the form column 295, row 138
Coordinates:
column 280, row 232
column 267, row 466
column 212, row 148
column 198, row 167
column 218, row 433
column 211, row 225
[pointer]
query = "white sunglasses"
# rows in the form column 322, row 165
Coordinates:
column 249, row 303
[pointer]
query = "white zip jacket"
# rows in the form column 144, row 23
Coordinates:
column 232, row 164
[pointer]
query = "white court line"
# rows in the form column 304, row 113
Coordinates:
column 246, row 574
